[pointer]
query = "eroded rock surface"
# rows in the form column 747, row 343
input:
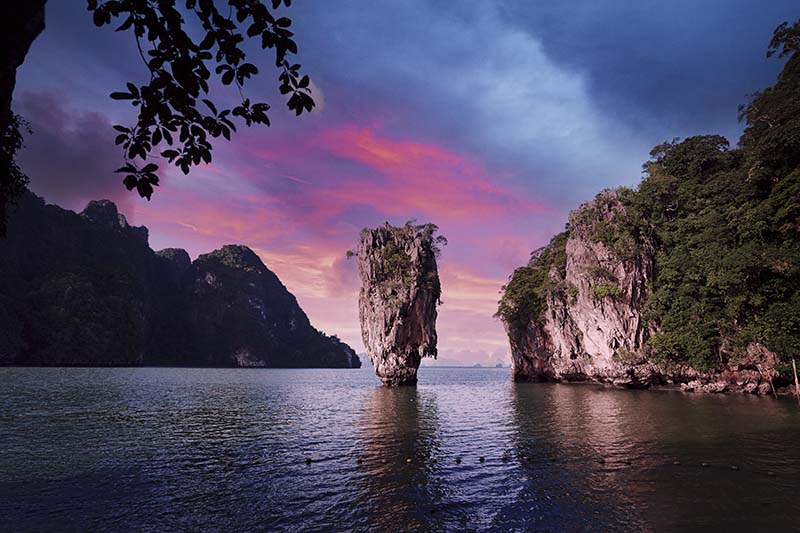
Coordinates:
column 398, row 300
column 592, row 327
column 105, row 213
column 590, row 324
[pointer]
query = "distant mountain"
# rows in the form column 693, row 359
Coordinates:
column 87, row 290
column 364, row 358
column 448, row 362
column 242, row 315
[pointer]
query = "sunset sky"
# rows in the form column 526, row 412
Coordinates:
column 491, row 120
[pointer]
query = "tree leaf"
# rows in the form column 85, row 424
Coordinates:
column 210, row 105
column 130, row 182
column 125, row 25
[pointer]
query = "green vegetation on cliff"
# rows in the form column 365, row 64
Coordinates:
column 525, row 295
column 392, row 264
column 726, row 225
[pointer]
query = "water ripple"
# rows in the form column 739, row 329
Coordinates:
column 153, row 449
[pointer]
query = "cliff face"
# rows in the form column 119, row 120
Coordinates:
column 397, row 302
column 87, row 290
column 20, row 24
column 592, row 326
column 76, row 289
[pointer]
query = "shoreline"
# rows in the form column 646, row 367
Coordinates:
column 730, row 390
column 780, row 392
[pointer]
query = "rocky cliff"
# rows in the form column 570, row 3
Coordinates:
column 20, row 24
column 592, row 284
column 692, row 278
column 86, row 289
column 591, row 324
column 398, row 298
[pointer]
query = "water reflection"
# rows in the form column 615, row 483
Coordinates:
column 398, row 456
column 561, row 488
column 206, row 449
column 607, row 459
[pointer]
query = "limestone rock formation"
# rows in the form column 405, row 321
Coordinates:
column 690, row 278
column 588, row 323
column 398, row 300
column 81, row 292
column 176, row 262
column 87, row 290
column 105, row 213
column 592, row 327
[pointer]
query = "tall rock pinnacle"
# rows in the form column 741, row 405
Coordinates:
column 399, row 295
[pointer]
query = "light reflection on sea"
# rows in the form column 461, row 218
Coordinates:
column 166, row 448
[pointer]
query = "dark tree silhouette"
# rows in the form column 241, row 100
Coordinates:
column 20, row 23
column 785, row 40
column 180, row 71
column 177, row 119
column 14, row 179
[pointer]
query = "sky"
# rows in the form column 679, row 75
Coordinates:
column 490, row 119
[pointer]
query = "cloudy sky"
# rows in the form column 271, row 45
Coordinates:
column 492, row 120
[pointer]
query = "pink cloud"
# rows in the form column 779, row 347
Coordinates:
column 417, row 177
column 345, row 165
column 301, row 202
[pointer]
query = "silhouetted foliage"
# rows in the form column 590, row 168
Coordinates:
column 14, row 179
column 785, row 40
column 170, row 110
column 10, row 143
column 524, row 297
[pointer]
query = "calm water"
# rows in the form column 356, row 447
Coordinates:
column 149, row 449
